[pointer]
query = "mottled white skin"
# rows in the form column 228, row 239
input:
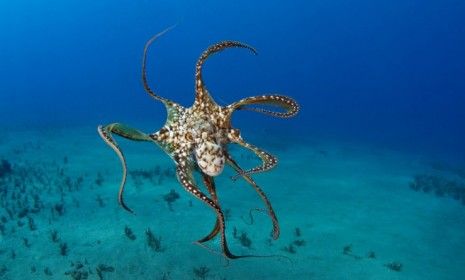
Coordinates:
column 210, row 158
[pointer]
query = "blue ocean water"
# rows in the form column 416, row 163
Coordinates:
column 390, row 72
column 381, row 87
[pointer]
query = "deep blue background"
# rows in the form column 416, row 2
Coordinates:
column 390, row 74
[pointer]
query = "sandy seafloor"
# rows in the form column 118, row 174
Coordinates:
column 338, row 194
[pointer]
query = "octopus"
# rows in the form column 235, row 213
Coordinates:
column 197, row 138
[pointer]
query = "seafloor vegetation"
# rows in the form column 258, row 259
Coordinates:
column 59, row 218
column 442, row 181
column 35, row 200
column 40, row 196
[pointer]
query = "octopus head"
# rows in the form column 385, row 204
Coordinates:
column 210, row 158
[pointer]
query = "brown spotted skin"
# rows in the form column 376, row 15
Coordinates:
column 196, row 138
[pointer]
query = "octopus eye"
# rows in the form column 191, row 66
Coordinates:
column 189, row 136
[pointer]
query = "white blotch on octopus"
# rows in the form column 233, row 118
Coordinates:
column 210, row 158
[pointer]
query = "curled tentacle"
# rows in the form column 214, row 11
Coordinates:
column 144, row 72
column 275, row 232
column 128, row 133
column 268, row 161
column 201, row 94
column 289, row 105
column 251, row 220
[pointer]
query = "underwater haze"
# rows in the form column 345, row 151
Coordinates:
column 370, row 180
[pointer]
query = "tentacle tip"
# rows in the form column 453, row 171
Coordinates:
column 127, row 209
column 131, row 211
column 275, row 235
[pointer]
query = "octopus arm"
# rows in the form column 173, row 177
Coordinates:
column 129, row 133
column 275, row 232
column 289, row 106
column 168, row 103
column 268, row 161
column 202, row 95
column 210, row 184
column 184, row 174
